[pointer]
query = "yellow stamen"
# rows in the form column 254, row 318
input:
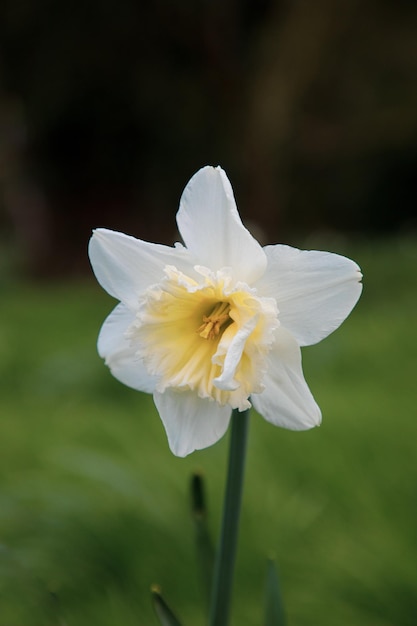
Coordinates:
column 213, row 323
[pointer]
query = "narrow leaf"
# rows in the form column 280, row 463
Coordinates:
column 198, row 496
column 164, row 614
column 274, row 610
column 205, row 550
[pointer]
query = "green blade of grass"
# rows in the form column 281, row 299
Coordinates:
column 274, row 610
column 163, row 612
column 204, row 545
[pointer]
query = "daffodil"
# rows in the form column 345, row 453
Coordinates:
column 217, row 324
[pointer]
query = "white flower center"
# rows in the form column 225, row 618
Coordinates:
column 209, row 335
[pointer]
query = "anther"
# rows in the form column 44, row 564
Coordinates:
column 213, row 323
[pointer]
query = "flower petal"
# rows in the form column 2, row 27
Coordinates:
column 118, row 353
column 212, row 230
column 191, row 423
column 234, row 352
column 315, row 291
column 125, row 266
column 286, row 401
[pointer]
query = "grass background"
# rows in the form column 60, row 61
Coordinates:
column 94, row 507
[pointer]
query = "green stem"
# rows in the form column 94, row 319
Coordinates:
column 226, row 552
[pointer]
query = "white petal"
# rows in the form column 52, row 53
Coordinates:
column 191, row 423
column 234, row 352
column 315, row 291
column 125, row 266
column 286, row 401
column 212, row 230
column 119, row 355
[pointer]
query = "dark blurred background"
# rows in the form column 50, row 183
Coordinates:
column 107, row 109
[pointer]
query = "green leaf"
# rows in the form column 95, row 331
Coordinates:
column 274, row 610
column 204, row 545
column 164, row 614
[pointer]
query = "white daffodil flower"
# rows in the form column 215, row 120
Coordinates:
column 217, row 324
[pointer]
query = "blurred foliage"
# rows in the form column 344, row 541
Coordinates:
column 107, row 108
column 94, row 508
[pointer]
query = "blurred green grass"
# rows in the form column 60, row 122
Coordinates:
column 94, row 507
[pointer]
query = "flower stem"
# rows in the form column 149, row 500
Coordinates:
column 226, row 551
